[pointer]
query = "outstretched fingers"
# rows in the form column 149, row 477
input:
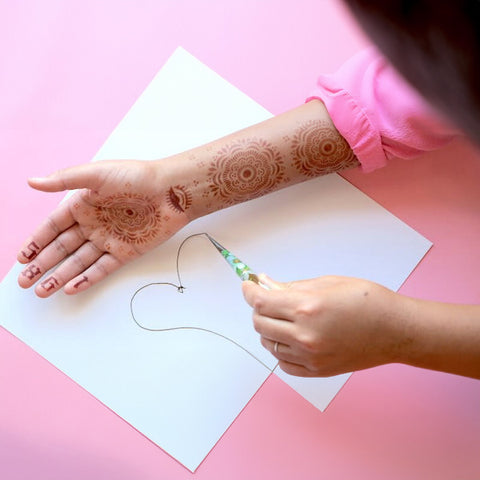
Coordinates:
column 52, row 254
column 79, row 272
column 59, row 221
column 103, row 267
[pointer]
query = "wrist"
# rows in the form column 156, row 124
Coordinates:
column 395, row 326
column 405, row 344
column 183, row 178
column 444, row 337
column 173, row 193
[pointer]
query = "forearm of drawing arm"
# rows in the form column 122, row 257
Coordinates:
column 287, row 149
column 438, row 336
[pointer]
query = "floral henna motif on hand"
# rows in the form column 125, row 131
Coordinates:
column 318, row 148
column 179, row 198
column 129, row 217
column 244, row 170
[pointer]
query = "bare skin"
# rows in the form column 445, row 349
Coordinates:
column 122, row 209
column 324, row 326
column 332, row 325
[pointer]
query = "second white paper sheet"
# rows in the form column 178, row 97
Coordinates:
column 183, row 389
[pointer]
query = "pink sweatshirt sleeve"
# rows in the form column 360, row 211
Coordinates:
column 378, row 113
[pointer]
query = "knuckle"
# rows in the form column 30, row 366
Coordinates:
column 79, row 233
column 52, row 225
column 307, row 309
column 314, row 365
column 322, row 370
column 257, row 324
column 258, row 303
column 288, row 368
column 101, row 268
column 78, row 260
column 60, row 247
column 307, row 342
column 94, row 249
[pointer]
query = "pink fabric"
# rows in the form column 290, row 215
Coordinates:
column 378, row 113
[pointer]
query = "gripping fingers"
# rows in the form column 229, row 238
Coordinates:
column 295, row 369
column 272, row 328
column 287, row 358
column 282, row 351
column 277, row 302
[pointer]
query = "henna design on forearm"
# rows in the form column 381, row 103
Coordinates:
column 318, row 149
column 50, row 283
column 31, row 271
column 33, row 250
column 179, row 198
column 131, row 218
column 245, row 169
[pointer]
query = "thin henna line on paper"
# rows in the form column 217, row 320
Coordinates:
column 180, row 289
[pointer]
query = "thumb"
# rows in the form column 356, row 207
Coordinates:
column 269, row 283
column 269, row 302
column 81, row 176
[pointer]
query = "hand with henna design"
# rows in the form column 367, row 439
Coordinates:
column 122, row 209
column 117, row 213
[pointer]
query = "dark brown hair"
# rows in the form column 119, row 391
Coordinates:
column 435, row 45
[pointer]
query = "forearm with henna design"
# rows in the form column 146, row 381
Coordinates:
column 124, row 209
column 288, row 149
column 285, row 150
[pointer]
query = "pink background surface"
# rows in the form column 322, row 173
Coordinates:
column 69, row 72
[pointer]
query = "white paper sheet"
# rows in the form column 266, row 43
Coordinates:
column 183, row 389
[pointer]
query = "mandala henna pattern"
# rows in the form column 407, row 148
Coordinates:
column 131, row 218
column 318, row 149
column 244, row 170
